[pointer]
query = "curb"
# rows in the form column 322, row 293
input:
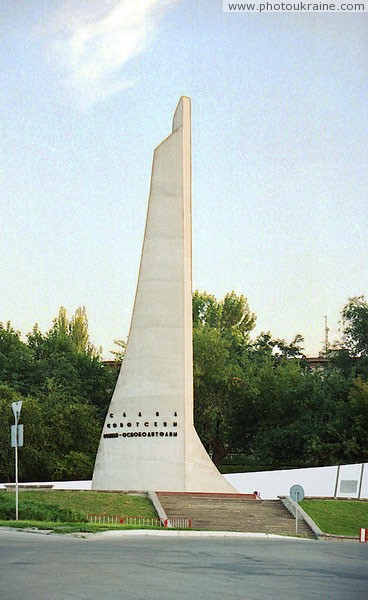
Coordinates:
column 156, row 533
column 190, row 534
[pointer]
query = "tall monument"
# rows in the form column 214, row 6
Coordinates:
column 148, row 440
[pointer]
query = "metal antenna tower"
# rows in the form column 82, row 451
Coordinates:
column 326, row 336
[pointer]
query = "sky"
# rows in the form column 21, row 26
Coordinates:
column 280, row 161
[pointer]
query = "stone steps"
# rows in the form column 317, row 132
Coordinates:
column 232, row 513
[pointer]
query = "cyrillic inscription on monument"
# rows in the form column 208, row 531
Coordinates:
column 130, row 428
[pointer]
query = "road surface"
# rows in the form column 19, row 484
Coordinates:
column 36, row 566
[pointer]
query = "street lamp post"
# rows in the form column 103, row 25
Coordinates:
column 16, row 442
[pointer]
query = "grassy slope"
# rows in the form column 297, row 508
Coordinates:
column 92, row 502
column 339, row 517
column 103, row 503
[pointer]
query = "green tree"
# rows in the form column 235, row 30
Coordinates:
column 60, row 437
column 214, row 372
column 119, row 354
column 64, row 356
column 75, row 330
column 355, row 326
column 16, row 359
column 287, row 415
column 357, row 420
column 350, row 354
column 65, row 390
column 301, row 412
column 220, row 331
column 230, row 315
column 279, row 348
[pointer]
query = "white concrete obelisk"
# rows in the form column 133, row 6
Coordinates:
column 148, row 440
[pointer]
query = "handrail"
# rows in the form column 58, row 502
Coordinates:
column 294, row 508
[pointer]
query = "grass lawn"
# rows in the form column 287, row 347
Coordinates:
column 339, row 517
column 107, row 503
column 66, row 511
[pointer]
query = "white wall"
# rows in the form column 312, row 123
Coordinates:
column 316, row 481
column 61, row 485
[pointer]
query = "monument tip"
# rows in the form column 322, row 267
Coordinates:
column 182, row 110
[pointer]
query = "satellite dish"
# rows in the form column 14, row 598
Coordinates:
column 296, row 493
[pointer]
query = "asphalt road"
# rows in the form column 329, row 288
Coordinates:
column 56, row 567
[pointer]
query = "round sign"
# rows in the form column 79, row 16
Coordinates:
column 17, row 407
column 296, row 492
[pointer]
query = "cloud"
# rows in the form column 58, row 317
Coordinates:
column 92, row 42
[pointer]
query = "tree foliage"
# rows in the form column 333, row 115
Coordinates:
column 119, row 354
column 65, row 390
column 261, row 398
column 257, row 397
column 220, row 330
column 73, row 331
column 355, row 326
column 350, row 354
column 230, row 315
